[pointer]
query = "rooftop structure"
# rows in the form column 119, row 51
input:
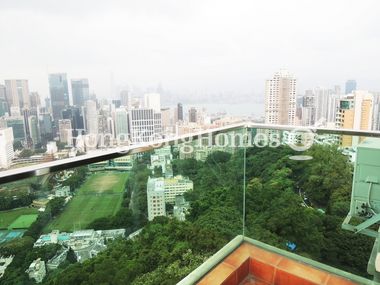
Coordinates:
column 176, row 186
column 56, row 260
column 85, row 243
column 4, row 263
column 37, row 270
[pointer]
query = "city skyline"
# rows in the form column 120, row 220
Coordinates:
column 191, row 49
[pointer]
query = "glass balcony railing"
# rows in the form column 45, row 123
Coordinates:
column 265, row 202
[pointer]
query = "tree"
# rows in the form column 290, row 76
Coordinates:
column 25, row 153
column 71, row 256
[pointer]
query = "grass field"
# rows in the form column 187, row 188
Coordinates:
column 23, row 221
column 8, row 217
column 100, row 196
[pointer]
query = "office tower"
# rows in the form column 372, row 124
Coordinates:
column 59, row 94
column 192, row 115
column 121, row 123
column 75, row 115
column 350, row 86
column 157, row 122
column 280, row 99
column 102, row 123
column 91, row 117
column 3, row 101
column 152, row 101
column 65, row 131
column 46, row 126
column 35, row 100
column 28, row 135
column 6, row 147
column 15, row 111
column 308, row 108
column 354, row 112
column 116, row 103
column 18, row 128
column 166, row 120
column 111, row 126
column 125, row 98
column 34, row 130
column 142, row 125
column 48, row 104
column 80, row 91
column 155, row 198
column 179, row 112
column 322, row 97
column 17, row 91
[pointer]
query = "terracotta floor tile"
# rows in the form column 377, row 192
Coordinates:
column 218, row 274
column 302, row 270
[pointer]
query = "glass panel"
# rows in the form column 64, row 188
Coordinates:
column 144, row 218
column 298, row 194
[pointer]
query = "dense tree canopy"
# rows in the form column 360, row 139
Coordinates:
column 303, row 202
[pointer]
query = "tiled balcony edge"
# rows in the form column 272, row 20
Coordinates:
column 309, row 262
column 212, row 262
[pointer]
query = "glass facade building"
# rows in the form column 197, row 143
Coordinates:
column 59, row 94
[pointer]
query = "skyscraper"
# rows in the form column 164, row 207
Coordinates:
column 350, row 86
column 192, row 115
column 280, row 99
column 80, row 91
column 34, row 130
column 17, row 91
column 121, row 123
column 75, row 115
column 142, row 125
column 91, row 117
column 153, row 101
column 179, row 112
column 3, row 101
column 35, row 100
column 354, row 112
column 125, row 99
column 18, row 127
column 65, row 131
column 59, row 94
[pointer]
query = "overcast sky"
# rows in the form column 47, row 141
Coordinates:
column 191, row 46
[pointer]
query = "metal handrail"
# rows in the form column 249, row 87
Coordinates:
column 102, row 155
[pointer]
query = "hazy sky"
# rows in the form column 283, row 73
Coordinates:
column 191, row 46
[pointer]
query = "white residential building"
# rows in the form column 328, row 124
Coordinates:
column 155, row 198
column 280, row 99
column 176, row 186
column 6, row 147
column 91, row 117
column 51, row 147
column 4, row 263
column 65, row 131
column 63, row 191
column 37, row 270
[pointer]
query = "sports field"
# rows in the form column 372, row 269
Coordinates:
column 8, row 217
column 100, row 196
column 23, row 221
